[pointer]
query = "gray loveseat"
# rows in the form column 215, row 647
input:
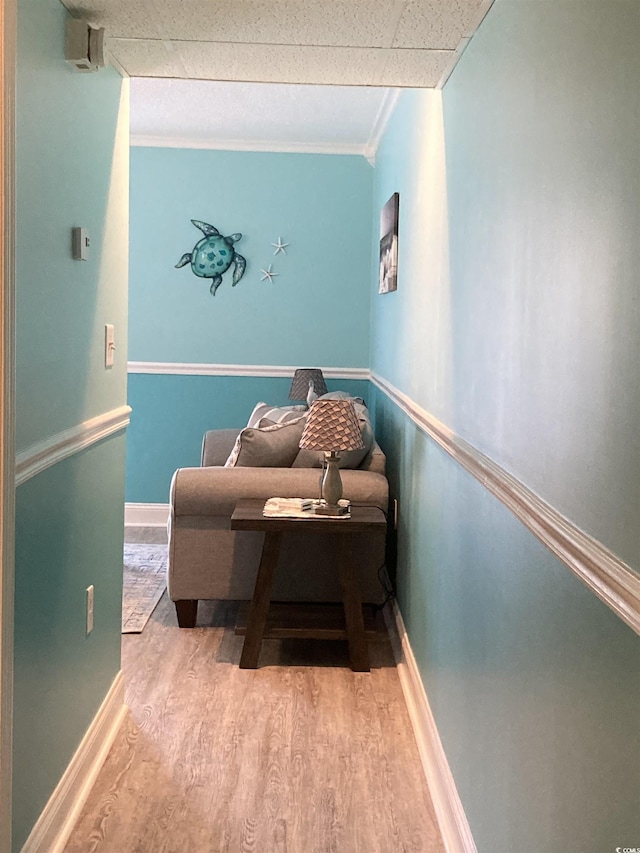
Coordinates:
column 208, row 560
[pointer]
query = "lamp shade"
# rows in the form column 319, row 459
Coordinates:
column 300, row 383
column 332, row 425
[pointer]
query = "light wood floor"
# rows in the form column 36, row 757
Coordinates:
column 299, row 756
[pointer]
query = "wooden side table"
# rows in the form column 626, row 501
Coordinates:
column 248, row 516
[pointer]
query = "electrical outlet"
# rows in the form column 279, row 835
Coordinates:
column 89, row 609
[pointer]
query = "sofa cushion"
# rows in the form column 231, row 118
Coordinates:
column 348, row 458
column 268, row 447
column 277, row 414
column 217, row 444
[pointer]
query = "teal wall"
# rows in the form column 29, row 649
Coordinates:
column 172, row 413
column 72, row 170
column 533, row 682
column 68, row 536
column 516, row 323
column 319, row 204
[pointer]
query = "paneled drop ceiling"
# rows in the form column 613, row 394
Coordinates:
column 388, row 43
column 220, row 73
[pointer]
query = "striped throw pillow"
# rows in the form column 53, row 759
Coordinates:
column 276, row 414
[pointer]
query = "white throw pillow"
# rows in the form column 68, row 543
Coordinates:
column 277, row 414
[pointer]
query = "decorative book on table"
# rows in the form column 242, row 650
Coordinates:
column 298, row 508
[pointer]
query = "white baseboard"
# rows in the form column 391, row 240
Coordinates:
column 452, row 820
column 146, row 515
column 53, row 828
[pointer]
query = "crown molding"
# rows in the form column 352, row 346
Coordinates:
column 380, row 123
column 140, row 140
column 613, row 581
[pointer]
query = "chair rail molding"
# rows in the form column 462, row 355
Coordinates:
column 42, row 455
column 612, row 580
column 171, row 368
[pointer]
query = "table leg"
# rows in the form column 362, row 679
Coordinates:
column 358, row 651
column 260, row 601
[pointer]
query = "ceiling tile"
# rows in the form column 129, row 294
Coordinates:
column 121, row 18
column 303, row 41
column 416, row 68
column 281, row 64
column 364, row 23
column 436, row 24
column 146, row 58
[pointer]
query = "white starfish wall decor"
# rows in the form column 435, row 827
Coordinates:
column 280, row 246
column 268, row 274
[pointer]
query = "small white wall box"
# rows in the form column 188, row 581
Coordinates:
column 80, row 244
column 84, row 48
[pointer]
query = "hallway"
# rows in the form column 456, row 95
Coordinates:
column 301, row 755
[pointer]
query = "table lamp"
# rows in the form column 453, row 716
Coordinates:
column 307, row 384
column 332, row 426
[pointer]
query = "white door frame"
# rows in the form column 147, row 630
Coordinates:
column 8, row 14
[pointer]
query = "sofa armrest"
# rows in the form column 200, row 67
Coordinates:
column 375, row 460
column 212, row 491
column 217, row 444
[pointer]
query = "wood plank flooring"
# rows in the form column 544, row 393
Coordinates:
column 301, row 755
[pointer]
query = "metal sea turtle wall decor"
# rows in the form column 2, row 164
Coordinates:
column 212, row 256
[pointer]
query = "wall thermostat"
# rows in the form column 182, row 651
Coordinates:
column 80, row 244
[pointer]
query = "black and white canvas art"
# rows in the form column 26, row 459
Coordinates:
column 389, row 245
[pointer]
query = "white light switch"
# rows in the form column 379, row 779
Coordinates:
column 109, row 344
column 89, row 609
